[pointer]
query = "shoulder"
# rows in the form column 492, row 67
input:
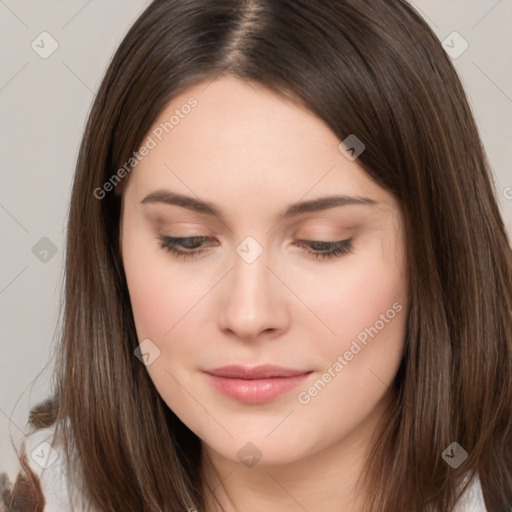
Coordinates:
column 41, row 484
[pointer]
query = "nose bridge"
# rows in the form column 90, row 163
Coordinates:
column 251, row 304
column 251, row 283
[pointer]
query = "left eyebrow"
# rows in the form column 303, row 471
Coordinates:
column 293, row 210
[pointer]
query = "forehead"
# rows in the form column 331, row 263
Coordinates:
column 242, row 140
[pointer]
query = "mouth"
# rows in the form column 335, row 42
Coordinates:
column 255, row 385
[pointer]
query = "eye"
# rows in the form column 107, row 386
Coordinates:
column 190, row 247
column 190, row 244
column 329, row 250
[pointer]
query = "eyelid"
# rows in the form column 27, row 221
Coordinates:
column 335, row 250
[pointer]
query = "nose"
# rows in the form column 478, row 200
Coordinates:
column 254, row 301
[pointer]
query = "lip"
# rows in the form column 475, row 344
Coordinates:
column 264, row 371
column 255, row 385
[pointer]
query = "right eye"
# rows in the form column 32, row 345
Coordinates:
column 189, row 245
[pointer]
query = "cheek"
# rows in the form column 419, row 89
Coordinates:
column 160, row 292
column 363, row 301
column 354, row 295
column 161, row 297
column 154, row 305
column 151, row 297
column 366, row 307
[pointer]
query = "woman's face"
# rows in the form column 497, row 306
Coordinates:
column 258, row 285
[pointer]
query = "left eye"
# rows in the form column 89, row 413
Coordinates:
column 192, row 246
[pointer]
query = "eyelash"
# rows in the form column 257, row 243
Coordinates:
column 337, row 250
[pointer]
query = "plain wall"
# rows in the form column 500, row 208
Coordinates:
column 44, row 104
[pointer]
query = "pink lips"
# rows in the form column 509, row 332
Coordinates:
column 255, row 385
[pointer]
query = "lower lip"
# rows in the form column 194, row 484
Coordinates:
column 256, row 391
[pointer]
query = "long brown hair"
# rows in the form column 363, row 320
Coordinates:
column 365, row 67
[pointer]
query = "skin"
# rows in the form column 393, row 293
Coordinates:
column 253, row 153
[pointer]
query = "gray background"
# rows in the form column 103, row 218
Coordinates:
column 44, row 105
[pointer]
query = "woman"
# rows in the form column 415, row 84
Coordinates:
column 288, row 284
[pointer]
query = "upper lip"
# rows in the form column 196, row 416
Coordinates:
column 258, row 372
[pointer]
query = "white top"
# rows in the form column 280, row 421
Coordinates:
column 47, row 463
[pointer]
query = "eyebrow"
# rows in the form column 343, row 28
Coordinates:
column 314, row 205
